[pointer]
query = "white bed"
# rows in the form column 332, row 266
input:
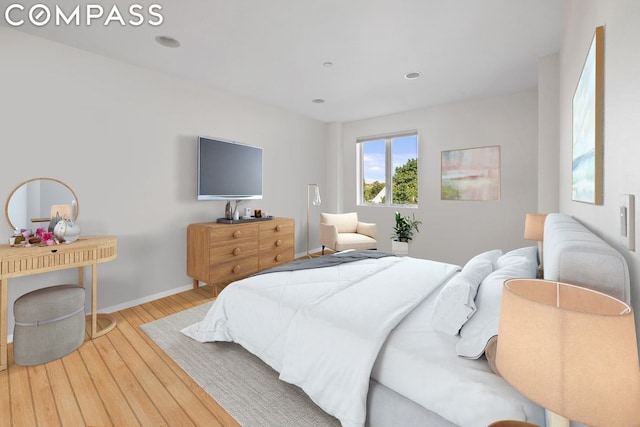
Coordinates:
column 389, row 341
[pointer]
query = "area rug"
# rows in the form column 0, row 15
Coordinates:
column 247, row 388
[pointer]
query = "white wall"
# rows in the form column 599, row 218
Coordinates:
column 124, row 138
column 621, row 116
column 453, row 231
column 548, row 133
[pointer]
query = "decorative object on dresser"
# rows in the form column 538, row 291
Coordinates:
column 403, row 233
column 66, row 231
column 316, row 202
column 344, row 231
column 221, row 253
column 534, row 230
column 572, row 350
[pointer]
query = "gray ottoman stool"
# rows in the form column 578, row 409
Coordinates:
column 49, row 323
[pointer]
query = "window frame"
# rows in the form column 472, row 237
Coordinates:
column 389, row 169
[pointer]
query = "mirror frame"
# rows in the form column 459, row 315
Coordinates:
column 6, row 207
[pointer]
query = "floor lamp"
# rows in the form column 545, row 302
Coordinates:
column 316, row 202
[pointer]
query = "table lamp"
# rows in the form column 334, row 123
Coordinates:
column 534, row 230
column 571, row 350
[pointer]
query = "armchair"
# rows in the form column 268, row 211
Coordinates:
column 344, row 231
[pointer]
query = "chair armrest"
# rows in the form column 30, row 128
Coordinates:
column 328, row 235
column 367, row 228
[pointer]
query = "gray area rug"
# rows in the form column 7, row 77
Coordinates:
column 247, row 388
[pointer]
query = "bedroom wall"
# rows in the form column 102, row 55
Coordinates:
column 454, row 231
column 621, row 124
column 124, row 138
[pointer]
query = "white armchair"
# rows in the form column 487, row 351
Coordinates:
column 344, row 231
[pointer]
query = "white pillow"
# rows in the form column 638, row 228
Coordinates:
column 476, row 333
column 528, row 252
column 455, row 302
column 492, row 256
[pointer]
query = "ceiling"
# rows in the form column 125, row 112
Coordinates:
column 273, row 51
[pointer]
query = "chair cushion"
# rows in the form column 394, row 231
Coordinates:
column 345, row 223
column 354, row 241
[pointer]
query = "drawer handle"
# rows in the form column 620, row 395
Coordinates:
column 236, row 269
column 278, row 257
column 237, row 251
column 237, row 234
column 278, row 227
column 278, row 242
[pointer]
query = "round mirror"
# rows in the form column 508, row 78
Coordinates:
column 34, row 202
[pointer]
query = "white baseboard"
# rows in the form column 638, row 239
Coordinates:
column 145, row 299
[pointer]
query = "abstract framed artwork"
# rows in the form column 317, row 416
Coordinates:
column 470, row 174
column 588, row 134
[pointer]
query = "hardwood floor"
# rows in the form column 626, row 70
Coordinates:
column 119, row 379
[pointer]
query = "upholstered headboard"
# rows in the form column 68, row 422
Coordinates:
column 573, row 254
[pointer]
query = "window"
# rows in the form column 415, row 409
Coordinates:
column 388, row 170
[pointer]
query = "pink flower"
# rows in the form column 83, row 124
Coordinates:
column 40, row 232
column 45, row 235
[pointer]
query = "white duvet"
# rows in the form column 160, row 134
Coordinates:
column 322, row 329
column 328, row 330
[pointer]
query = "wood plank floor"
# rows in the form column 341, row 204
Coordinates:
column 119, row 379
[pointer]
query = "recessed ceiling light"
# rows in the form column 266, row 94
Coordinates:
column 412, row 76
column 318, row 101
column 328, row 64
column 167, row 41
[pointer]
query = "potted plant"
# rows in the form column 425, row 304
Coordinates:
column 403, row 233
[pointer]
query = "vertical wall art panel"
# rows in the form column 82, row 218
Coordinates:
column 588, row 126
column 471, row 174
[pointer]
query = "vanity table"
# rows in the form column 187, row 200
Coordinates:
column 32, row 205
column 25, row 261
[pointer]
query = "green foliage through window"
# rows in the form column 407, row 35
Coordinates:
column 389, row 170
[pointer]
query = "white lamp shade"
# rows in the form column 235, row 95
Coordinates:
column 571, row 350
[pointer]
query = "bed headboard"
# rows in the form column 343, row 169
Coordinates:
column 573, row 254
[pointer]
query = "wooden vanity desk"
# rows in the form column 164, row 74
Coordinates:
column 26, row 261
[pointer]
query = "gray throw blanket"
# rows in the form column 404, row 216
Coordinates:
column 328, row 261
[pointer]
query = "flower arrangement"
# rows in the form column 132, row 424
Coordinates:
column 41, row 236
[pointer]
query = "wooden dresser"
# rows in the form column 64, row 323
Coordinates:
column 221, row 253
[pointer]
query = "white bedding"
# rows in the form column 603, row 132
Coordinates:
column 421, row 364
column 270, row 315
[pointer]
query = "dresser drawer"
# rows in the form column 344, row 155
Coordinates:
column 275, row 229
column 275, row 257
column 224, row 236
column 233, row 251
column 233, row 270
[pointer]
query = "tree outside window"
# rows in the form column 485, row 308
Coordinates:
column 389, row 170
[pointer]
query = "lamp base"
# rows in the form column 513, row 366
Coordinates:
column 555, row 420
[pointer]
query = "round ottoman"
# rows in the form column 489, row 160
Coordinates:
column 49, row 323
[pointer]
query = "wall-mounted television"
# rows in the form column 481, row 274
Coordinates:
column 228, row 170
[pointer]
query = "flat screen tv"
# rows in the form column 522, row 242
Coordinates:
column 228, row 170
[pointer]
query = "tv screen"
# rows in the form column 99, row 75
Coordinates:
column 228, row 170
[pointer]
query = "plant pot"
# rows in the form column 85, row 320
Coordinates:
column 399, row 248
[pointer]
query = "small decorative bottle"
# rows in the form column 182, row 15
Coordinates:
column 18, row 237
column 227, row 211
